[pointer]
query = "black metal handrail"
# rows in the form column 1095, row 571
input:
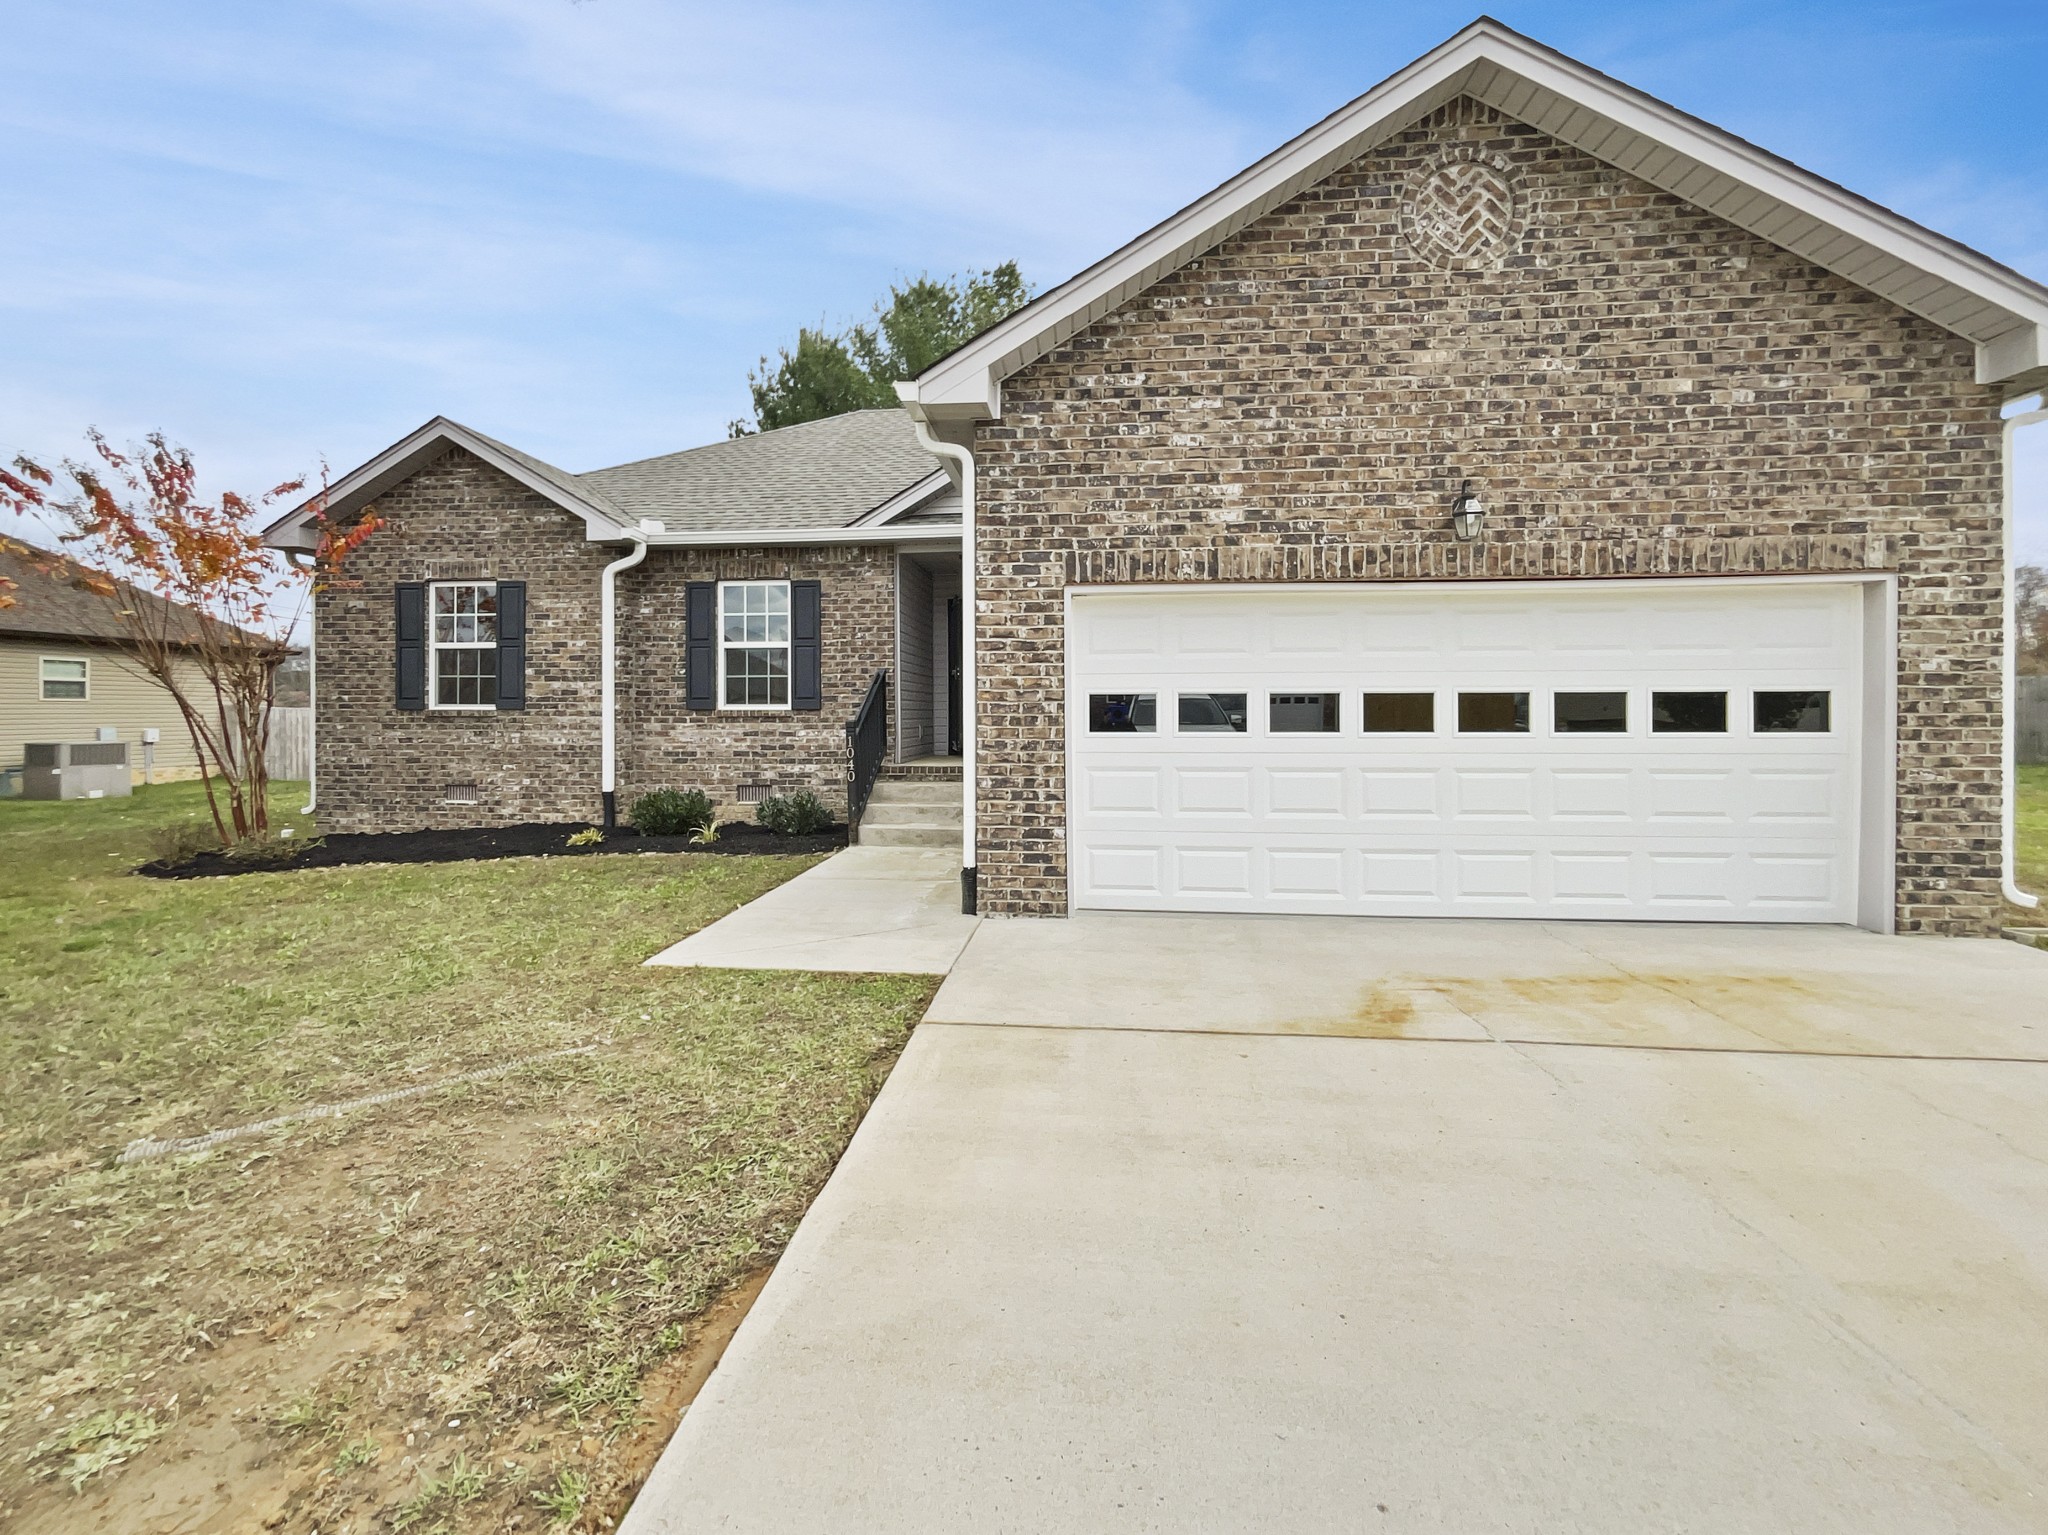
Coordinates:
column 867, row 746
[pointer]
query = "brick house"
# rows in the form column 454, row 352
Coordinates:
column 1512, row 497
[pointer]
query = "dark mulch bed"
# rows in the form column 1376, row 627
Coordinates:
column 533, row 841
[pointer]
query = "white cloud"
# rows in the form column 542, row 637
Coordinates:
column 1002, row 134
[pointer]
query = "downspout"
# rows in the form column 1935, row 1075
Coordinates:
column 2007, row 875
column 608, row 665
column 294, row 556
column 963, row 460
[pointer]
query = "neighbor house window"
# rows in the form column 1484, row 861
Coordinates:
column 753, row 650
column 464, row 652
column 63, row 678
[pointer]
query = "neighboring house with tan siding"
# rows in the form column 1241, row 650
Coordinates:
column 65, row 673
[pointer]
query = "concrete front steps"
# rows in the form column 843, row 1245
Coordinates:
column 913, row 806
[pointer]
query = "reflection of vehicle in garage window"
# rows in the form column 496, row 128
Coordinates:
column 1216, row 713
column 1122, row 713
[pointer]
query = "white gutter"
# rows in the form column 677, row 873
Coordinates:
column 2007, row 878
column 294, row 556
column 607, row 662
column 962, row 460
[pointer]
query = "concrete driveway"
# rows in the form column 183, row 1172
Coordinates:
column 1601, row 1233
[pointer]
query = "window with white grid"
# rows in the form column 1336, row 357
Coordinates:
column 464, row 644
column 753, row 649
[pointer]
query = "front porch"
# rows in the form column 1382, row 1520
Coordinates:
column 927, row 713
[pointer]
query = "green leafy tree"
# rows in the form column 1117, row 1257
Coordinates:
column 820, row 378
column 923, row 320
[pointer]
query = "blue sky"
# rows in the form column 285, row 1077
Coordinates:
column 287, row 232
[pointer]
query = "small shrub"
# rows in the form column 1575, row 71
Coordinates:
column 590, row 836
column 669, row 813
column 704, row 836
column 183, row 841
column 801, row 814
column 272, row 847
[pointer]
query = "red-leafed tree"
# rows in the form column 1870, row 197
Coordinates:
column 190, row 592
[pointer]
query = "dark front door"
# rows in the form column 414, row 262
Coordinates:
column 952, row 676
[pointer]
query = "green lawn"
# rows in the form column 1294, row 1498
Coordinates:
column 442, row 1308
column 2033, row 835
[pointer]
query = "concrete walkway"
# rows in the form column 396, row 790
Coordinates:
column 1606, row 1240
column 875, row 910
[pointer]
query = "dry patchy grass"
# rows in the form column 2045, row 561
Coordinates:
column 441, row 1314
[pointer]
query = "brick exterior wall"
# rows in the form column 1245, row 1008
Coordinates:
column 386, row 770
column 664, row 745
column 1636, row 387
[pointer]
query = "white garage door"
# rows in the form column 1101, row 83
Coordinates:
column 1554, row 750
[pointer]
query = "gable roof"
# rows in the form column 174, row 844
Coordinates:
column 60, row 607
column 861, row 468
column 410, row 454
column 2002, row 311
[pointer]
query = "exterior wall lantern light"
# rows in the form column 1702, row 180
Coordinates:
column 1468, row 514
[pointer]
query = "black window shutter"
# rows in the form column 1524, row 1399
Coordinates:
column 410, row 614
column 700, row 667
column 511, row 644
column 806, row 669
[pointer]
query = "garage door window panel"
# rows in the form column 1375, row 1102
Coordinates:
column 1791, row 713
column 1689, row 714
column 1123, row 713
column 1293, row 714
column 1493, row 713
column 1213, row 713
column 1590, row 713
column 1400, row 714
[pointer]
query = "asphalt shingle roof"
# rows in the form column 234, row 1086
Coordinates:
column 821, row 474
column 60, row 607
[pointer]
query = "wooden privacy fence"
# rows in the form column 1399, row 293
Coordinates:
column 290, row 753
column 2030, row 708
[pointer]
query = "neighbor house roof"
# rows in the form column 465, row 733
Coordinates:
column 1969, row 294
column 60, row 606
column 850, row 472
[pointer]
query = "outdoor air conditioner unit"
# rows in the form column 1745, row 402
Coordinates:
column 74, row 769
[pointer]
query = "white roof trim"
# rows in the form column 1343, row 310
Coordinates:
column 904, row 502
column 2004, row 312
column 356, row 489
